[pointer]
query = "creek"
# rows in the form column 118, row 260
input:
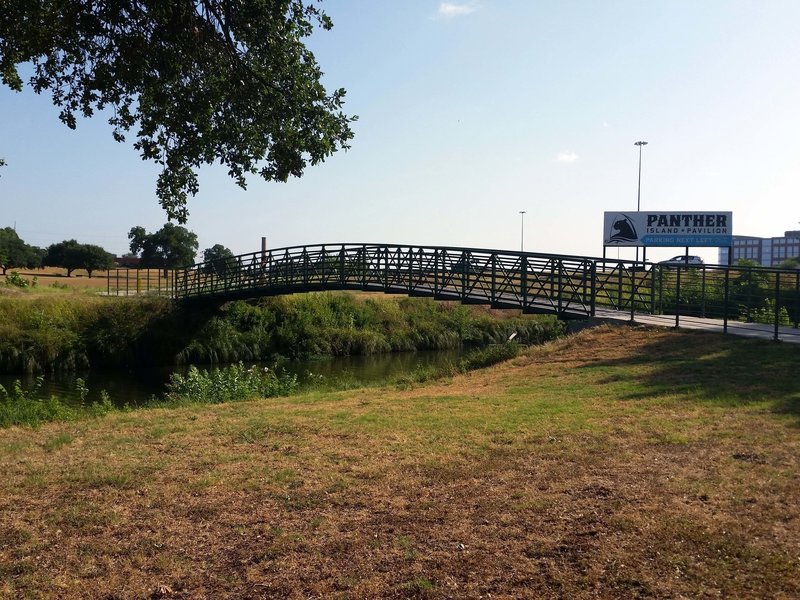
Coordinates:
column 137, row 387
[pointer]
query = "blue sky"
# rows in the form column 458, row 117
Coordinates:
column 468, row 113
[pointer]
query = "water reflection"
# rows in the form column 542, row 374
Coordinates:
column 138, row 387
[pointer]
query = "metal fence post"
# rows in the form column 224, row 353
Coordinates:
column 703, row 294
column 594, row 288
column 678, row 300
column 777, row 303
column 633, row 292
column 725, row 301
column 560, row 286
column 653, row 290
column 619, row 286
column 797, row 301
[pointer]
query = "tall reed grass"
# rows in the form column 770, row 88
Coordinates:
column 342, row 324
column 77, row 331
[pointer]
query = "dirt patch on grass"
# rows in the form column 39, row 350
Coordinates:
column 565, row 473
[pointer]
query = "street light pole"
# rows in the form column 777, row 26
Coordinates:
column 639, row 189
column 522, row 231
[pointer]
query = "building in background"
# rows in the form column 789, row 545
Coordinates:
column 768, row 252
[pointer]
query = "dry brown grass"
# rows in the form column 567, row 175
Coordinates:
column 613, row 464
column 80, row 279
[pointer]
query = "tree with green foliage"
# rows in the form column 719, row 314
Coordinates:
column 228, row 81
column 170, row 247
column 218, row 259
column 64, row 255
column 96, row 258
column 790, row 263
column 15, row 253
column 750, row 287
column 71, row 255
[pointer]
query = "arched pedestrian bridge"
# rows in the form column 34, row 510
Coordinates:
column 536, row 283
column 571, row 287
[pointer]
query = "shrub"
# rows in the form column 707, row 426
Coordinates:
column 235, row 382
column 14, row 279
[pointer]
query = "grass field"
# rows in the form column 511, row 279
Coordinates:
column 616, row 463
column 57, row 278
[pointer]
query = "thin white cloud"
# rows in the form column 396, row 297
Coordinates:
column 566, row 157
column 450, row 10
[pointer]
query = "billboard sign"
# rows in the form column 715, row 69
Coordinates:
column 696, row 229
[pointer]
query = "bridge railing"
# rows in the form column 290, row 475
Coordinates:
column 570, row 286
column 743, row 297
column 533, row 282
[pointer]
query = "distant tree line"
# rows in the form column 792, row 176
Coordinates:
column 171, row 247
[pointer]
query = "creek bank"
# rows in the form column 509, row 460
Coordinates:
column 76, row 332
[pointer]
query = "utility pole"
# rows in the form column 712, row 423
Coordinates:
column 522, row 231
column 639, row 189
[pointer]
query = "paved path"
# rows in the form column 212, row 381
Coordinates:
column 753, row 330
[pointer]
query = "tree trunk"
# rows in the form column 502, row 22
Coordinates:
column 69, row 272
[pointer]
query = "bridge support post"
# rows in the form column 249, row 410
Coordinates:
column 411, row 269
column 466, row 261
column 342, row 276
column 386, row 269
column 364, row 266
column 494, row 279
column 524, row 281
column 560, row 287
column 435, row 272
column 305, row 264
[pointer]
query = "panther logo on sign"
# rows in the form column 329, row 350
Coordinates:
column 622, row 230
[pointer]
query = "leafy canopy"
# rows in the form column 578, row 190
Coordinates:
column 15, row 253
column 71, row 255
column 170, row 247
column 790, row 263
column 197, row 81
column 218, row 259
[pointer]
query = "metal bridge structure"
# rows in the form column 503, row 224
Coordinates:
column 570, row 287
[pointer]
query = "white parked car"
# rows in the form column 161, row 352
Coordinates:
column 682, row 261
